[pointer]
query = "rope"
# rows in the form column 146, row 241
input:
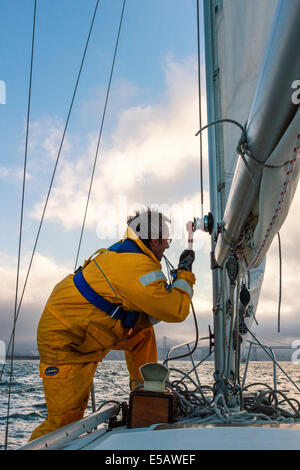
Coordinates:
column 110, row 401
column 100, row 134
column 53, row 175
column 169, row 264
column 21, row 226
column 219, row 121
column 175, row 358
column 261, row 407
column 243, row 148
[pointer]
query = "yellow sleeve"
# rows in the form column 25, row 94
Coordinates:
column 149, row 292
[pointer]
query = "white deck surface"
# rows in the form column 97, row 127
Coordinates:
column 284, row 437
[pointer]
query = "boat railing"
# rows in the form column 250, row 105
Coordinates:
column 269, row 351
column 190, row 355
column 265, row 348
column 62, row 437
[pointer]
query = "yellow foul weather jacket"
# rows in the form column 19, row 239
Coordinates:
column 72, row 330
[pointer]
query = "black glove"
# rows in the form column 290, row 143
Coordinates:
column 186, row 260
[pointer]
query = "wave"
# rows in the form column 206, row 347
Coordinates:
column 23, row 416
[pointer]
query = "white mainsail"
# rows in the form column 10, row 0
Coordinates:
column 241, row 48
column 248, row 58
column 256, row 85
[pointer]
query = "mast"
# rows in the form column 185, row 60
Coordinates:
column 211, row 9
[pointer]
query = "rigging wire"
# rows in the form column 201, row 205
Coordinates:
column 21, row 224
column 54, row 171
column 280, row 280
column 190, row 353
column 100, row 133
column 200, row 105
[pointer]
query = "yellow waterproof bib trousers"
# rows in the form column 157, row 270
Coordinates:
column 67, row 392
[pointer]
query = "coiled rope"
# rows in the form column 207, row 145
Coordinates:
column 259, row 407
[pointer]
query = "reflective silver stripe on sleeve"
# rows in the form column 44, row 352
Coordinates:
column 151, row 277
column 182, row 284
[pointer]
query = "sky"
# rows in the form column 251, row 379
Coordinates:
column 148, row 153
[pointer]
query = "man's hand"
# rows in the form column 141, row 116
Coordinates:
column 186, row 260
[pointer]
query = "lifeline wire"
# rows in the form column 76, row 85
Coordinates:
column 100, row 133
column 266, row 351
column 54, row 171
column 21, row 225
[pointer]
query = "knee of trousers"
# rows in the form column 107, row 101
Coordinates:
column 54, row 422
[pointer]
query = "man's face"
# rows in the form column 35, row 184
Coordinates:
column 159, row 246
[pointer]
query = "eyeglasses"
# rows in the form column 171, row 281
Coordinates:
column 169, row 240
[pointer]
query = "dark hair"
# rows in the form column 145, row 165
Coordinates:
column 144, row 224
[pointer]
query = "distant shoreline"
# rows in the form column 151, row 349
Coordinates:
column 37, row 358
column 28, row 358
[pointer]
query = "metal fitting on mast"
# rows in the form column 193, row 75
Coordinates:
column 204, row 223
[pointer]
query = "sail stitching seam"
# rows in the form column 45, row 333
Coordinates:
column 280, row 203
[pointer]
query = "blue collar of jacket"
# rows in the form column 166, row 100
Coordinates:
column 126, row 246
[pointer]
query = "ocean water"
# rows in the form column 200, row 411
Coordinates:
column 27, row 407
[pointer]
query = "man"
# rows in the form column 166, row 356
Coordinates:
column 110, row 303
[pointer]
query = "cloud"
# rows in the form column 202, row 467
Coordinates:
column 121, row 95
column 45, row 273
column 45, row 137
column 13, row 174
column 290, row 268
column 151, row 152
